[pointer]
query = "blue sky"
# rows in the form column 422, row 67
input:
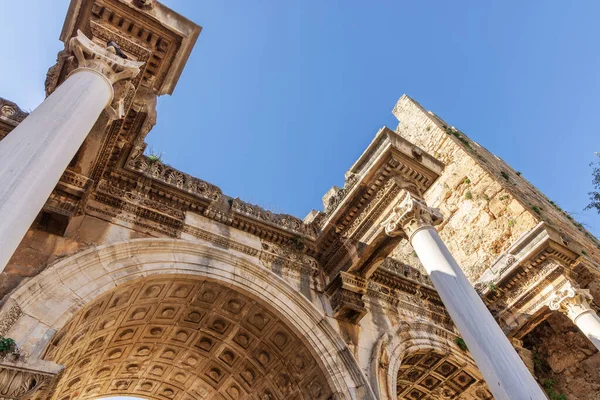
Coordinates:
column 280, row 97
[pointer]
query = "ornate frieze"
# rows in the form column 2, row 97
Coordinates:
column 336, row 198
column 165, row 174
column 285, row 221
column 410, row 215
column 405, row 271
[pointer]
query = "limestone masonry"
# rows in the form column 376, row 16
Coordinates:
column 436, row 272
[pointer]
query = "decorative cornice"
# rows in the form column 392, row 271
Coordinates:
column 522, row 259
column 172, row 177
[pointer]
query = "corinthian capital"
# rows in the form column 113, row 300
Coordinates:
column 117, row 70
column 409, row 215
column 571, row 301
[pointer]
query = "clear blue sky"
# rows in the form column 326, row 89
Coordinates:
column 280, row 97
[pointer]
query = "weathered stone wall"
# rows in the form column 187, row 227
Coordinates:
column 566, row 362
column 487, row 205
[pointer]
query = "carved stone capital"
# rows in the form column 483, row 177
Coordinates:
column 410, row 215
column 19, row 379
column 571, row 301
column 117, row 70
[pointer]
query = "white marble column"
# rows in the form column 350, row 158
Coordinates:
column 35, row 154
column 505, row 373
column 573, row 302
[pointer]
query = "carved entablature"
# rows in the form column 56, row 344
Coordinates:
column 66, row 198
column 518, row 285
column 148, row 32
column 285, row 221
column 281, row 228
column 170, row 176
column 351, row 237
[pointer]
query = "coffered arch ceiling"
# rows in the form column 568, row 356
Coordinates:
column 182, row 338
column 429, row 374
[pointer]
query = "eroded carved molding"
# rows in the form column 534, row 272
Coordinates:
column 19, row 379
column 9, row 314
column 11, row 111
column 571, row 301
column 117, row 70
column 346, row 293
column 410, row 215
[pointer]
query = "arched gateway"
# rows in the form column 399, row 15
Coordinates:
column 172, row 319
column 422, row 361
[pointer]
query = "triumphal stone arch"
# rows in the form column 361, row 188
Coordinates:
column 435, row 272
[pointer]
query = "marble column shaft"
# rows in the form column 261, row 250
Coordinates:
column 505, row 373
column 35, row 154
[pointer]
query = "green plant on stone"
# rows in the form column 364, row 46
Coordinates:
column 492, row 286
column 486, row 197
column 549, row 387
column 511, row 222
column 457, row 135
column 461, row 344
column 504, row 175
column 7, row 345
column 468, row 195
column 584, row 252
column 153, row 158
column 467, row 181
column 519, row 173
column 537, row 210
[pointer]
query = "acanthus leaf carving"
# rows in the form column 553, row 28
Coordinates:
column 116, row 70
column 571, row 301
column 409, row 215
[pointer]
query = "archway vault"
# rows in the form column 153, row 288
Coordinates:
column 180, row 337
column 137, row 297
